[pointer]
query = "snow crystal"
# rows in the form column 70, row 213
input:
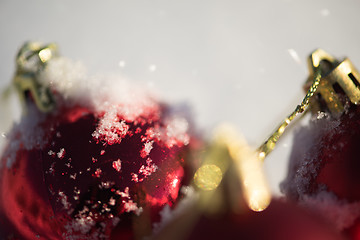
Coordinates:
column 145, row 151
column 112, row 201
column 61, row 153
column 128, row 204
column 117, row 165
column 148, row 169
column 135, row 177
column 97, row 172
column 73, row 176
column 76, row 193
column 51, row 169
column 110, row 128
column 151, row 133
column 80, row 225
column 124, row 194
column 145, row 171
column 64, row 200
column 106, row 184
column 131, row 206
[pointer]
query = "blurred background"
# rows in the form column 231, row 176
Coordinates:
column 242, row 62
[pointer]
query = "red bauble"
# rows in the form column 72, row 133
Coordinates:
column 324, row 169
column 85, row 173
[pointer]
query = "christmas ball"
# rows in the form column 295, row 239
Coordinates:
column 324, row 166
column 101, row 165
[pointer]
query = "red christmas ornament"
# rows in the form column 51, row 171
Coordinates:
column 89, row 169
column 324, row 166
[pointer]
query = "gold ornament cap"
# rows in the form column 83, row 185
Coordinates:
column 30, row 61
column 339, row 78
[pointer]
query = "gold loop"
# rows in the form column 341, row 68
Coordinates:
column 270, row 143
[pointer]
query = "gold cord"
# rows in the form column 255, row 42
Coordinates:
column 270, row 143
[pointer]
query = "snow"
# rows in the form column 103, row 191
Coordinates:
column 340, row 213
column 114, row 100
column 26, row 134
column 111, row 128
column 304, row 158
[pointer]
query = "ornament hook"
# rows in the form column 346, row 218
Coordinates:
column 328, row 77
column 270, row 143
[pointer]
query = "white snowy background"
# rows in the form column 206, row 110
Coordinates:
column 242, row 62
